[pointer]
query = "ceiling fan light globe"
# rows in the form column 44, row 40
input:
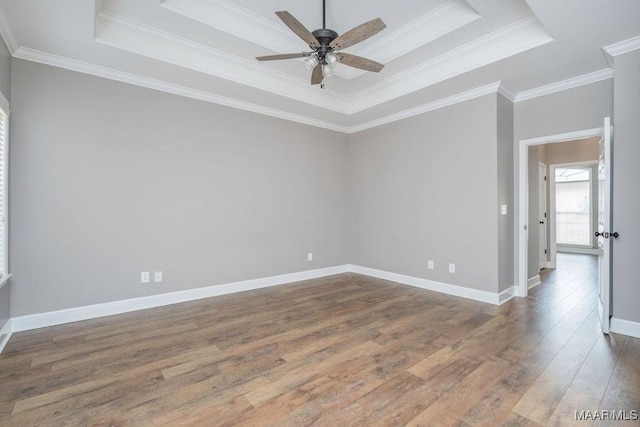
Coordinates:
column 327, row 70
column 311, row 62
column 331, row 58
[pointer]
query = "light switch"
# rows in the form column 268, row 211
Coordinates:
column 503, row 209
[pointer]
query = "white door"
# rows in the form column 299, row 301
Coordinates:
column 604, row 228
column 542, row 215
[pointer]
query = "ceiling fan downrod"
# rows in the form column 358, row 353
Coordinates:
column 324, row 14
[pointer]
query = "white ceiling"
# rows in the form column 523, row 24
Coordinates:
column 436, row 52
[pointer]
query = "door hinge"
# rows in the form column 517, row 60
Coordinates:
column 545, row 178
column 545, row 214
column 545, row 251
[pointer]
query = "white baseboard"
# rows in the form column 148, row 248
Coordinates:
column 506, row 295
column 7, row 330
column 41, row 320
column 445, row 288
column 625, row 327
column 534, row 281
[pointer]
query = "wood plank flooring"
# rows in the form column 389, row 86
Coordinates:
column 343, row 350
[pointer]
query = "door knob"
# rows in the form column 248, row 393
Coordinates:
column 541, row 222
column 615, row 234
column 599, row 234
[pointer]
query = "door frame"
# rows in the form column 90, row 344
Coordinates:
column 521, row 235
column 543, row 208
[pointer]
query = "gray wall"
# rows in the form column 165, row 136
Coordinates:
column 5, row 88
column 426, row 188
column 505, row 193
column 110, row 179
column 571, row 110
column 626, row 196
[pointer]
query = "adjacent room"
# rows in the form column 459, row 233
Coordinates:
column 232, row 212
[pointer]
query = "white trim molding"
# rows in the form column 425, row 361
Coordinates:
column 506, row 295
column 573, row 82
column 7, row 331
column 137, row 80
column 508, row 41
column 431, row 106
column 625, row 327
column 534, row 281
column 133, row 36
column 431, row 285
column 620, row 48
column 52, row 318
column 521, row 234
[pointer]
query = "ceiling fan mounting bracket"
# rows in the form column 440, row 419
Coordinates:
column 324, row 37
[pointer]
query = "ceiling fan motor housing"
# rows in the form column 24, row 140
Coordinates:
column 324, row 37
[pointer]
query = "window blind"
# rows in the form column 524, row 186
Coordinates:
column 573, row 213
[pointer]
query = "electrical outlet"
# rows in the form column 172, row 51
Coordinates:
column 310, row 256
column 144, row 277
column 452, row 267
column 157, row 277
column 430, row 264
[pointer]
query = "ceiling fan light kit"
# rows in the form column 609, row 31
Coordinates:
column 325, row 44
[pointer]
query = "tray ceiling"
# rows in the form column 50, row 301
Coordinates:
column 436, row 52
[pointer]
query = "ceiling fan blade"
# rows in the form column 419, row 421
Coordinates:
column 358, row 34
column 299, row 29
column 359, row 62
column 316, row 75
column 283, row 56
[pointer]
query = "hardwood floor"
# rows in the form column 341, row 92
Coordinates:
column 344, row 350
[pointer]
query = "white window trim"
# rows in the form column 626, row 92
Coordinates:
column 5, row 275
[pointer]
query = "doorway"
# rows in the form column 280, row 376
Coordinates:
column 528, row 221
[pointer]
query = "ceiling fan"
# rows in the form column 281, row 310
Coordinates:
column 326, row 44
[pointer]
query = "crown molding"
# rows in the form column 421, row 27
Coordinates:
column 7, row 33
column 238, row 21
column 431, row 106
column 585, row 79
column 132, row 36
column 620, row 48
column 241, row 22
column 506, row 92
column 137, row 80
column 503, row 43
column 431, row 26
column 40, row 57
column 134, row 79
